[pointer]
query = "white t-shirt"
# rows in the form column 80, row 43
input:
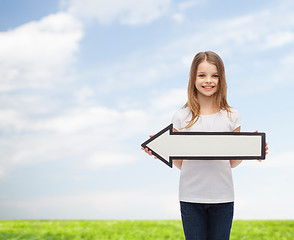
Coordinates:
column 206, row 181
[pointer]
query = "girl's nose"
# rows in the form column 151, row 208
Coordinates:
column 208, row 80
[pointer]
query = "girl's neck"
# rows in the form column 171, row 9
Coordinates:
column 207, row 105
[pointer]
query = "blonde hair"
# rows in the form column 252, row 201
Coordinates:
column 220, row 97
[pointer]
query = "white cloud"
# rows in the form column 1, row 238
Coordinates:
column 178, row 17
column 36, row 53
column 128, row 12
column 107, row 122
column 265, row 194
column 2, row 174
column 179, row 14
column 278, row 39
column 249, row 35
column 75, row 120
column 169, row 100
column 94, row 136
column 101, row 205
column 84, row 95
column 100, row 159
column 83, row 133
column 139, row 69
column 188, row 4
column 267, row 205
column 259, row 31
column 80, row 119
column 282, row 72
column 263, row 190
column 281, row 160
column 10, row 119
column 164, row 105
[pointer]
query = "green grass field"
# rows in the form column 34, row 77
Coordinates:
column 129, row 230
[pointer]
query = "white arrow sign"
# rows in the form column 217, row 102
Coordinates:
column 168, row 145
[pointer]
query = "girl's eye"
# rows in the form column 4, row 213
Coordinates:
column 215, row 76
column 201, row 75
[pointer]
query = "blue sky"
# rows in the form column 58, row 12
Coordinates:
column 84, row 83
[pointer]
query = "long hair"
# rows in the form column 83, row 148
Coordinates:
column 220, row 97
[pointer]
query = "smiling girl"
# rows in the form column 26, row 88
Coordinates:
column 206, row 190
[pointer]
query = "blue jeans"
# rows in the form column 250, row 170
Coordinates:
column 203, row 221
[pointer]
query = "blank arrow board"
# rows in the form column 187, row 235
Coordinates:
column 168, row 145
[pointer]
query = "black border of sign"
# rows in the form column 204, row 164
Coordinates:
column 171, row 132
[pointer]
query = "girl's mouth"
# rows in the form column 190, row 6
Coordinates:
column 208, row 87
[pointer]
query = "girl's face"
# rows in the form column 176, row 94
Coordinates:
column 206, row 79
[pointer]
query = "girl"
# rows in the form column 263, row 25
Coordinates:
column 206, row 187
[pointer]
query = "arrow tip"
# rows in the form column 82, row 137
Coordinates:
column 166, row 159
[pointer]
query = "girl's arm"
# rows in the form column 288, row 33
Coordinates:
column 235, row 163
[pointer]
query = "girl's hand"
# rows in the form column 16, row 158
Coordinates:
column 147, row 150
column 266, row 149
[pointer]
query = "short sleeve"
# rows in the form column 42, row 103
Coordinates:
column 236, row 119
column 176, row 120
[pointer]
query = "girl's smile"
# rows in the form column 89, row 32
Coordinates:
column 208, row 87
